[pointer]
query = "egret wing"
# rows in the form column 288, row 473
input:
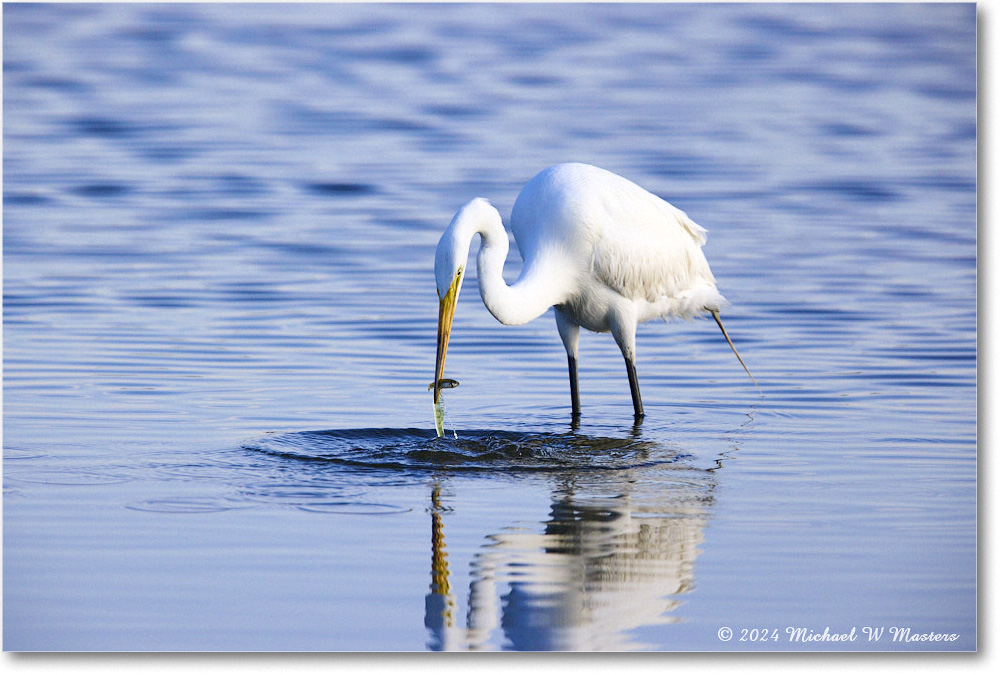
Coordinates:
column 645, row 248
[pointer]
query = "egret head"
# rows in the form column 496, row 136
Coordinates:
column 449, row 271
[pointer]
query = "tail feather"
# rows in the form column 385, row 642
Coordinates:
column 715, row 315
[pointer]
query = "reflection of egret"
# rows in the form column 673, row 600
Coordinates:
column 616, row 553
column 603, row 566
column 604, row 252
column 440, row 604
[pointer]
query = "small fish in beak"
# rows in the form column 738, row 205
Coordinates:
column 444, row 383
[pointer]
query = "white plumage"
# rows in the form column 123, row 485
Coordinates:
column 636, row 245
column 603, row 251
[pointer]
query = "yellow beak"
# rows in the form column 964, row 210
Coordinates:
column 446, row 312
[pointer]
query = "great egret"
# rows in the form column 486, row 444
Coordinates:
column 607, row 254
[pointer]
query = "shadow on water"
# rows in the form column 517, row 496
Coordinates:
column 615, row 552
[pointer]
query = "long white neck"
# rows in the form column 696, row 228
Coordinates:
column 535, row 290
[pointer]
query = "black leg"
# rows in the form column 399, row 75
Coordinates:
column 574, row 387
column 633, row 383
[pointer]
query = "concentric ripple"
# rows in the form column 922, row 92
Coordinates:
column 472, row 450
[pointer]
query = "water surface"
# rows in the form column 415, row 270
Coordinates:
column 219, row 318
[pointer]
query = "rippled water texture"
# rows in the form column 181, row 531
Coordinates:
column 219, row 319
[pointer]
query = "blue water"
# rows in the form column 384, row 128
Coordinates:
column 219, row 319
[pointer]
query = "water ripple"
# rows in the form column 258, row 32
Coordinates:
column 70, row 476
column 186, row 505
column 472, row 450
